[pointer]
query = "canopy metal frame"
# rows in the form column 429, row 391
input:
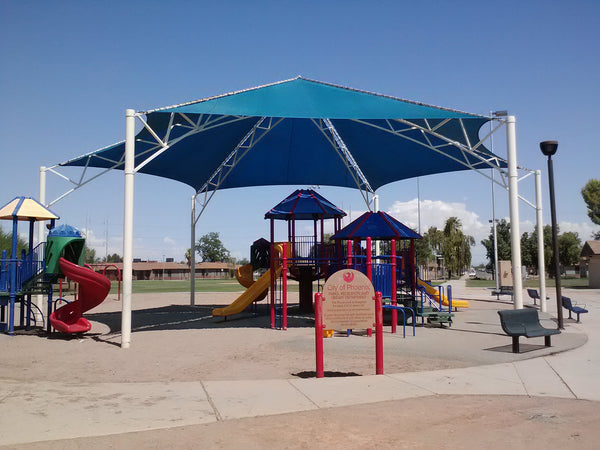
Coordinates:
column 508, row 179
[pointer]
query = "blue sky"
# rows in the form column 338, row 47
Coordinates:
column 71, row 68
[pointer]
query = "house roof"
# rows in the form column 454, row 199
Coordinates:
column 591, row 248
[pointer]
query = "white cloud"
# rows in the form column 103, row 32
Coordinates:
column 171, row 242
column 434, row 213
column 98, row 243
column 584, row 230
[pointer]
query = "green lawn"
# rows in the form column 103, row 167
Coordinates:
column 570, row 282
column 202, row 285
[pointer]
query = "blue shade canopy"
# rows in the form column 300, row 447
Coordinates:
column 304, row 204
column 388, row 138
column 379, row 225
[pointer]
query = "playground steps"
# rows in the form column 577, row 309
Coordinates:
column 37, row 284
column 434, row 315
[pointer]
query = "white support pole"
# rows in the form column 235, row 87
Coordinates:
column 39, row 298
column 540, row 240
column 513, row 200
column 376, row 210
column 128, row 228
column 193, row 253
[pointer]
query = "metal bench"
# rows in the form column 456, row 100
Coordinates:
column 504, row 290
column 573, row 307
column 533, row 293
column 524, row 322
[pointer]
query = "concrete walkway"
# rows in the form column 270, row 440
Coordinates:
column 40, row 411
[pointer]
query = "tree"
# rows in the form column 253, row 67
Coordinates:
column 6, row 243
column 529, row 250
column 114, row 258
column 435, row 239
column 456, row 246
column 211, row 249
column 503, row 241
column 423, row 251
column 428, row 248
column 188, row 257
column 569, row 248
column 591, row 196
column 90, row 255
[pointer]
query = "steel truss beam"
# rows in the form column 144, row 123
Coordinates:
column 485, row 161
column 159, row 146
column 260, row 129
column 338, row 144
column 427, row 131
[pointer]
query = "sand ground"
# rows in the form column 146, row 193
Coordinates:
column 173, row 341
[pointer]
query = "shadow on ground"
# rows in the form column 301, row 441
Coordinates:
column 187, row 317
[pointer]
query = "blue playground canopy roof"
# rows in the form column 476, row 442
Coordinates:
column 301, row 132
column 304, row 204
column 379, row 225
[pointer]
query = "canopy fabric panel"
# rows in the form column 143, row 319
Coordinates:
column 26, row 209
column 309, row 99
column 379, row 225
column 304, row 204
column 301, row 132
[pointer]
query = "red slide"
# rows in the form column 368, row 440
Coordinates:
column 93, row 289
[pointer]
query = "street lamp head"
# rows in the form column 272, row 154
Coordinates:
column 549, row 147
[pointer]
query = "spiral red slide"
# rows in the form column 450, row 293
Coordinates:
column 93, row 289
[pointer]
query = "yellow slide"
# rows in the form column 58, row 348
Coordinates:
column 251, row 294
column 244, row 275
column 436, row 295
column 257, row 290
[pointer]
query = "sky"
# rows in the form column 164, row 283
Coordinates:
column 70, row 69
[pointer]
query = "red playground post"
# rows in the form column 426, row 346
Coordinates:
column 349, row 255
column 118, row 278
column 319, row 334
column 378, row 334
column 284, row 288
column 369, row 274
column 369, row 261
column 394, row 292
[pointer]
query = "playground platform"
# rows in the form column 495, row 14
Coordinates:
column 162, row 382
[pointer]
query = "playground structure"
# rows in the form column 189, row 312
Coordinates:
column 34, row 273
column 309, row 258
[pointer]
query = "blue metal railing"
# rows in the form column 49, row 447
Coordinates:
column 4, row 273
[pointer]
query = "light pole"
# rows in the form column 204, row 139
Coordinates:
column 548, row 149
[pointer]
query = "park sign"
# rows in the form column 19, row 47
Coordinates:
column 348, row 301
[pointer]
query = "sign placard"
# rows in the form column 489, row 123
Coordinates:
column 348, row 301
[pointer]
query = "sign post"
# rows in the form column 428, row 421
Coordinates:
column 319, row 334
column 347, row 303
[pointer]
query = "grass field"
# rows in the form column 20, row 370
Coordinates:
column 575, row 283
column 202, row 285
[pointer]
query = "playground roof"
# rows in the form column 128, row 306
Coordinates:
column 26, row 208
column 304, row 204
column 300, row 132
column 379, row 225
